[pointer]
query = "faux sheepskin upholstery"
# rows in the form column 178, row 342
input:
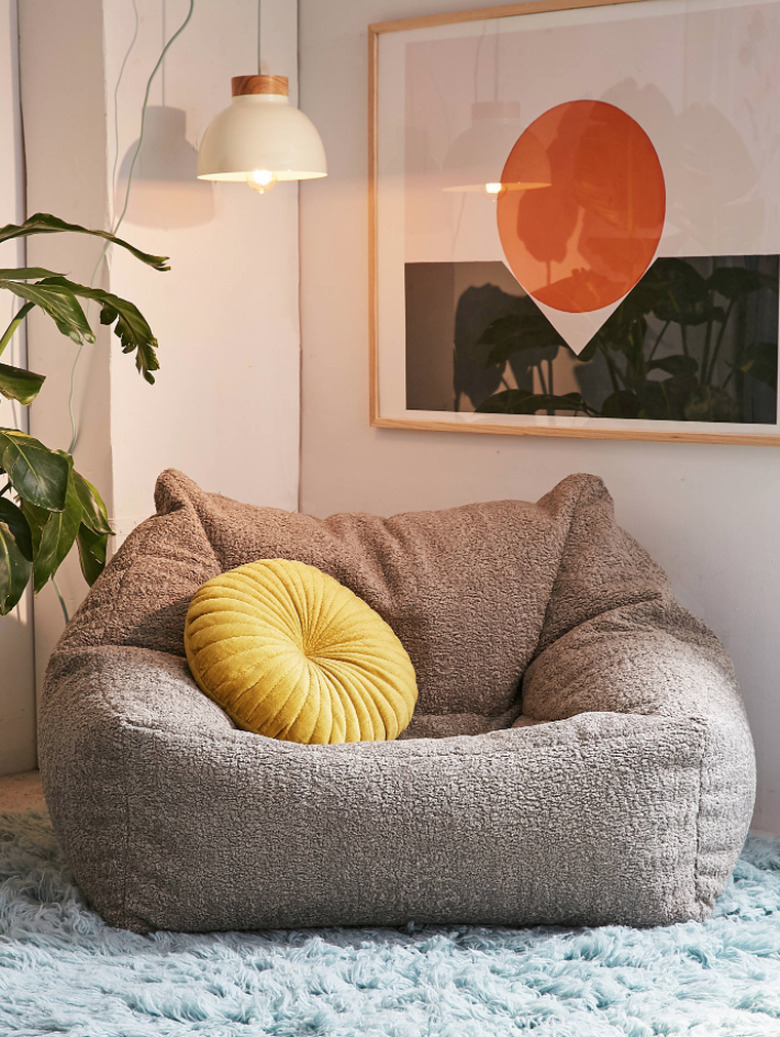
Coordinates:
column 290, row 653
column 579, row 753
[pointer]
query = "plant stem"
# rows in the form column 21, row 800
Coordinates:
column 641, row 359
column 550, row 410
column 658, row 341
column 706, row 354
column 542, row 382
column 8, row 334
column 614, row 371
column 5, row 489
column 684, row 340
column 63, row 606
column 719, row 341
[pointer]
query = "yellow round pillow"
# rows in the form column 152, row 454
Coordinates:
column 290, row 653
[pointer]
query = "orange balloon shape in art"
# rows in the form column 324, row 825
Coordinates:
column 580, row 233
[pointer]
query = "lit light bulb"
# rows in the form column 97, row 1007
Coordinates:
column 493, row 188
column 261, row 180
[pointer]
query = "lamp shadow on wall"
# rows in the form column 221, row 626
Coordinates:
column 165, row 192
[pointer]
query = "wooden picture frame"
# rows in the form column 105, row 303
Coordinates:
column 449, row 318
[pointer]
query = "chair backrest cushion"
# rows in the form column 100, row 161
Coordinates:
column 466, row 589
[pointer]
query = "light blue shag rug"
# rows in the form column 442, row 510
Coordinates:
column 62, row 971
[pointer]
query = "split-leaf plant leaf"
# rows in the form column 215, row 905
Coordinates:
column 46, row 506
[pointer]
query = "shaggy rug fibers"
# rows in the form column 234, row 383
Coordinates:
column 62, row 971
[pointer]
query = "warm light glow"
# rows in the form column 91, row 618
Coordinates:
column 493, row 188
column 261, row 180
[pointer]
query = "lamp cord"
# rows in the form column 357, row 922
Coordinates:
column 259, row 62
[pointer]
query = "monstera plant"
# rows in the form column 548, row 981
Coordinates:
column 46, row 506
column 696, row 340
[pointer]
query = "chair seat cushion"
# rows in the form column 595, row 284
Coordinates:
column 290, row 653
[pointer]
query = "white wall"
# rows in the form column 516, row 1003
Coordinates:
column 63, row 100
column 17, row 702
column 225, row 408
column 706, row 513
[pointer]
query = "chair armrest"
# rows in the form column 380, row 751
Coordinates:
column 650, row 657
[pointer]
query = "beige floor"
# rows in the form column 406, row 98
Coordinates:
column 21, row 792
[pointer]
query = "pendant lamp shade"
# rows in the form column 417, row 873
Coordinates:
column 261, row 138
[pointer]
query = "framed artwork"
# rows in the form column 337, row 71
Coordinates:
column 575, row 220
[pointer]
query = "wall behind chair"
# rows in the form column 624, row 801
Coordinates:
column 17, row 705
column 225, row 408
column 707, row 513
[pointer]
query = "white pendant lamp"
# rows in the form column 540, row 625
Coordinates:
column 261, row 138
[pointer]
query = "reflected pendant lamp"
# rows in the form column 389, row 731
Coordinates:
column 476, row 161
column 261, row 139
column 477, row 157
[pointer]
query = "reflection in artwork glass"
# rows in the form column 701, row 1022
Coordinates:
column 695, row 340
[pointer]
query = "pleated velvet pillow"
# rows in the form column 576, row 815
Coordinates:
column 290, row 653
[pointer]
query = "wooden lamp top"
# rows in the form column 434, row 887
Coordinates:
column 259, row 85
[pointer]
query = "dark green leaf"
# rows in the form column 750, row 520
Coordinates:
column 709, row 403
column 586, row 355
column 645, row 295
column 666, row 400
column 56, row 297
column 43, row 223
column 58, row 535
column 92, row 552
column 760, row 362
column 38, row 475
column 501, row 337
column 95, row 516
column 517, row 332
column 678, row 364
column 620, row 333
column 520, row 401
column 680, row 294
column 529, row 354
column 11, row 515
column 653, row 401
column 131, row 326
column 633, row 342
column 621, row 404
column 36, row 520
column 523, row 363
column 735, row 281
column 15, row 567
column 27, row 273
column 678, row 391
column 16, row 383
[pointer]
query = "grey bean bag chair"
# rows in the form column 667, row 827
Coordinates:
column 578, row 755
